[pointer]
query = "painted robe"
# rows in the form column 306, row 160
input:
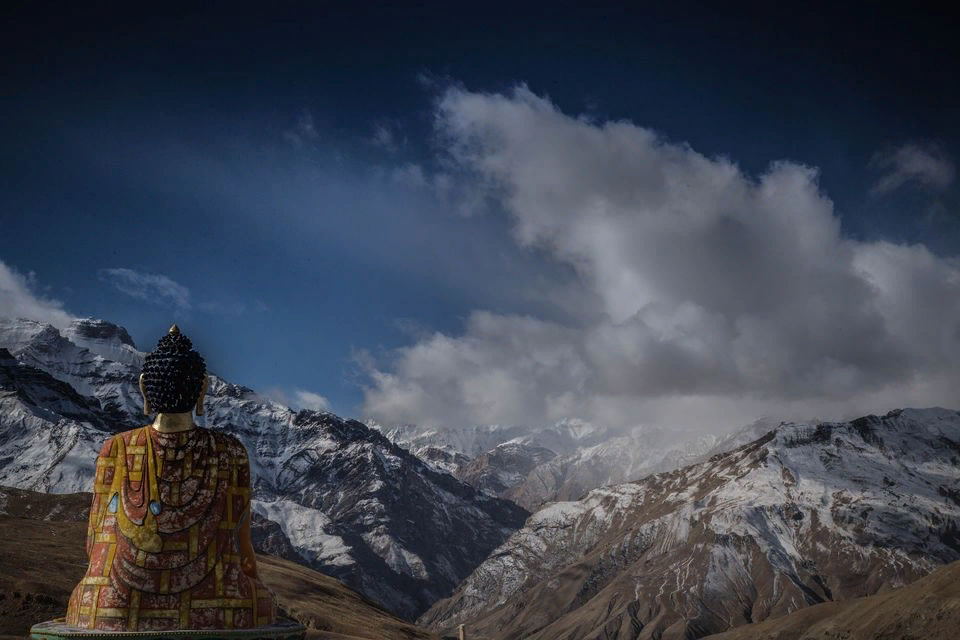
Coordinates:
column 164, row 537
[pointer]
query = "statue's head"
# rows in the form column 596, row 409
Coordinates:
column 174, row 376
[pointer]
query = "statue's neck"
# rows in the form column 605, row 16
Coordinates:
column 173, row 422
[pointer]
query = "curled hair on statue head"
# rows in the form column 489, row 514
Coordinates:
column 173, row 374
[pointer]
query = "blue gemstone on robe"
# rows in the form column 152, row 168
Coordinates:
column 155, row 507
column 113, row 504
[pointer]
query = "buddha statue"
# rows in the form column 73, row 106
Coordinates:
column 169, row 530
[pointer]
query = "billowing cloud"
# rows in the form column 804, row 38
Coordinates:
column 929, row 167
column 152, row 287
column 19, row 300
column 298, row 399
column 719, row 296
column 310, row 400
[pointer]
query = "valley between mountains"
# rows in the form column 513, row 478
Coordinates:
column 567, row 531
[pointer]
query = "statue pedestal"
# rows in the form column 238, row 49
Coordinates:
column 281, row 630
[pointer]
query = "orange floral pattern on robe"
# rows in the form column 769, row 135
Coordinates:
column 164, row 536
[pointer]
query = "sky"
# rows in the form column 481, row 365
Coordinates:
column 681, row 217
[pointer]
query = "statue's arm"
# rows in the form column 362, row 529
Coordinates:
column 102, row 480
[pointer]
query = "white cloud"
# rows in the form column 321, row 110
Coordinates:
column 154, row 288
column 310, row 400
column 929, row 167
column 161, row 290
column 719, row 296
column 19, row 300
column 298, row 399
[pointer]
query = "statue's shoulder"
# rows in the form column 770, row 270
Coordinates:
column 228, row 442
column 107, row 450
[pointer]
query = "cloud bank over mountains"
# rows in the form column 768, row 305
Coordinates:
column 298, row 399
column 718, row 296
column 19, row 299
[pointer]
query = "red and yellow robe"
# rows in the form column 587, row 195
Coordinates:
column 168, row 537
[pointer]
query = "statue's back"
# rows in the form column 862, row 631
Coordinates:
column 165, row 537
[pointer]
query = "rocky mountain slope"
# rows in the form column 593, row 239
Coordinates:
column 347, row 501
column 807, row 513
column 43, row 558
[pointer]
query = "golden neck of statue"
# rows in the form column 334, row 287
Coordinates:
column 173, row 422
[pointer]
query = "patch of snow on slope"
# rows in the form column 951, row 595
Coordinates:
column 305, row 529
column 397, row 558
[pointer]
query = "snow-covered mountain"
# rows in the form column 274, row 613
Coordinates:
column 504, row 467
column 620, row 458
column 804, row 514
column 347, row 500
column 536, row 466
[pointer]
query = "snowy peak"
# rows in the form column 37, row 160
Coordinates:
column 19, row 334
column 745, row 434
column 105, row 339
column 97, row 331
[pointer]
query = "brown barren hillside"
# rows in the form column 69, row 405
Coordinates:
column 42, row 559
column 928, row 609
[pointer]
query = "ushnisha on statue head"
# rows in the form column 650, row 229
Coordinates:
column 173, row 382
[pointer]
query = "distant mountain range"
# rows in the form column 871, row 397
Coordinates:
column 345, row 500
column 534, row 466
column 806, row 513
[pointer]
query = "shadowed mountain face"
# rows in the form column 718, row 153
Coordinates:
column 43, row 557
column 804, row 514
column 347, row 501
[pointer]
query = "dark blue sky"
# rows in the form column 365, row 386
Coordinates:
column 234, row 153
